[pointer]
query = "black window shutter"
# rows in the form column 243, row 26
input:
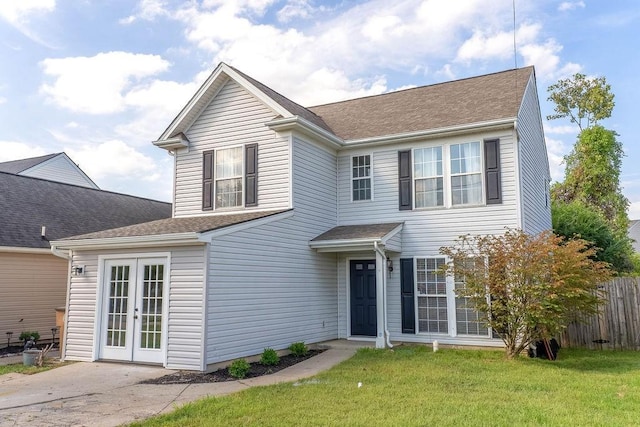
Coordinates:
column 492, row 171
column 251, row 174
column 207, row 180
column 404, row 180
column 407, row 300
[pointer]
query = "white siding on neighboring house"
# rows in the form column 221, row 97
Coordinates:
column 60, row 169
column 534, row 165
column 267, row 288
column 234, row 118
column 186, row 311
column 32, row 286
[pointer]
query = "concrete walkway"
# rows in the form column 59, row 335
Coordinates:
column 108, row 394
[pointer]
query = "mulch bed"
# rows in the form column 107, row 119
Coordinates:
column 14, row 350
column 222, row 375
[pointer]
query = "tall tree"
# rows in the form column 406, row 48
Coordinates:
column 592, row 176
column 581, row 97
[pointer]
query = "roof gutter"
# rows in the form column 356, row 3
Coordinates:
column 22, row 250
column 433, row 133
column 176, row 239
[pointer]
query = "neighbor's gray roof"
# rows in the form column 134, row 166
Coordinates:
column 634, row 233
column 357, row 232
column 27, row 204
column 17, row 166
column 473, row 100
column 196, row 224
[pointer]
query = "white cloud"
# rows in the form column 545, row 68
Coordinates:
column 98, row 84
column 296, row 9
column 12, row 150
column 113, row 159
column 556, row 150
column 18, row 12
column 486, row 46
column 561, row 130
column 3, row 100
column 571, row 5
column 634, row 210
column 147, row 10
column 546, row 58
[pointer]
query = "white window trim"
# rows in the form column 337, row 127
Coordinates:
column 451, row 324
column 215, row 178
column 351, row 178
column 446, row 174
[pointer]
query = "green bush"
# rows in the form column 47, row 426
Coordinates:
column 299, row 349
column 269, row 357
column 239, row 368
column 26, row 335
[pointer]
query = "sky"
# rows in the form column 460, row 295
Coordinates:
column 101, row 80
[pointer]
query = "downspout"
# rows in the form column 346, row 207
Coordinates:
column 384, row 294
column 68, row 256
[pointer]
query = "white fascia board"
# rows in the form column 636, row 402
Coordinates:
column 21, row 250
column 391, row 234
column 208, row 235
column 307, row 128
column 176, row 239
column 432, row 133
column 172, row 143
column 346, row 245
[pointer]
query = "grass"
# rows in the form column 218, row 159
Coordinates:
column 412, row 386
column 30, row 370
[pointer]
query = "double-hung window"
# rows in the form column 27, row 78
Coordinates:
column 468, row 320
column 228, row 178
column 466, row 174
column 432, row 295
column 361, row 177
column 429, row 179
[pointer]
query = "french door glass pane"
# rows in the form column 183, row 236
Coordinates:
column 118, row 302
column 151, row 315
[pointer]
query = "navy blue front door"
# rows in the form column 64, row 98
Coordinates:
column 363, row 298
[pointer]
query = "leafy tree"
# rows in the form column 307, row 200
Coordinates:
column 530, row 287
column 581, row 97
column 592, row 176
column 575, row 219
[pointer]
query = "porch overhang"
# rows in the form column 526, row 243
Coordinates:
column 360, row 237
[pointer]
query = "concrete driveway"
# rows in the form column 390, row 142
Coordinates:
column 108, row 394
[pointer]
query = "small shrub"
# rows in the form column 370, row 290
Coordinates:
column 26, row 336
column 239, row 368
column 269, row 357
column 299, row 349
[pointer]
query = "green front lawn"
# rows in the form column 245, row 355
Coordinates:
column 412, row 386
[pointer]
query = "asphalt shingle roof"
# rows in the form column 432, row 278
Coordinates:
column 27, row 204
column 196, row 224
column 360, row 231
column 17, row 166
column 473, row 100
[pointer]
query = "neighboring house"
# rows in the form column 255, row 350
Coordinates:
column 634, row 234
column 56, row 167
column 310, row 224
column 33, row 282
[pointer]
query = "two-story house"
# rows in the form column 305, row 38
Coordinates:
column 310, row 224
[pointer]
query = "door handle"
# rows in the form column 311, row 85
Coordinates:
column 135, row 315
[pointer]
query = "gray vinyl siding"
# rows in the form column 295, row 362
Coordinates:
column 534, row 165
column 267, row 288
column 424, row 231
column 59, row 169
column 427, row 229
column 186, row 311
column 233, row 118
column 32, row 287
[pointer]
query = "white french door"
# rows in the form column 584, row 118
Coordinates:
column 132, row 323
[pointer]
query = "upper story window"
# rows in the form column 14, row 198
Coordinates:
column 229, row 177
column 450, row 175
column 466, row 175
column 361, row 177
column 429, row 180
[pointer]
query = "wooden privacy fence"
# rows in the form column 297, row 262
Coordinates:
column 618, row 324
